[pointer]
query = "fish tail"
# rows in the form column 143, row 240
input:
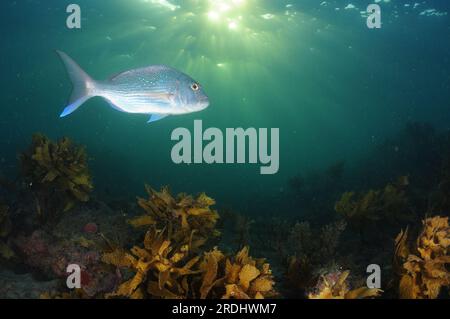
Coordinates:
column 84, row 87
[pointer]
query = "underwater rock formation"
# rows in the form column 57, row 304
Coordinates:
column 335, row 285
column 57, row 174
column 50, row 257
column 5, row 229
column 424, row 269
column 23, row 286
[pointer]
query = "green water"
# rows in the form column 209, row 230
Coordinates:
column 332, row 86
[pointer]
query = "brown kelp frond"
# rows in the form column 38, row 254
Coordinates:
column 170, row 263
column 57, row 173
column 389, row 204
column 160, row 269
column 336, row 286
column 189, row 220
column 237, row 277
column 424, row 270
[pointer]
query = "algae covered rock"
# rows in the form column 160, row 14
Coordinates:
column 5, row 230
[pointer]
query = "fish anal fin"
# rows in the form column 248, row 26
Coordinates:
column 156, row 117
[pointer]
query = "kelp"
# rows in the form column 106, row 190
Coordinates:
column 236, row 277
column 189, row 220
column 57, row 174
column 423, row 269
column 336, row 286
column 5, row 230
column 171, row 263
column 389, row 205
column 162, row 270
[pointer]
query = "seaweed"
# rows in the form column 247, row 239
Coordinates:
column 389, row 206
column 423, row 269
column 188, row 220
column 236, row 277
column 336, row 286
column 160, row 269
column 171, row 263
column 57, row 174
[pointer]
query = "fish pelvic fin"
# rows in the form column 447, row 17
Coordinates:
column 84, row 87
column 156, row 117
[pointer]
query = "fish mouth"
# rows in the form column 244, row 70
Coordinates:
column 203, row 103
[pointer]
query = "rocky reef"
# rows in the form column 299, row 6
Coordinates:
column 5, row 230
column 182, row 246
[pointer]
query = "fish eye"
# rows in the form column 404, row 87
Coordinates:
column 195, row 86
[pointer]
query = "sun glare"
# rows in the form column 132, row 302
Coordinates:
column 226, row 11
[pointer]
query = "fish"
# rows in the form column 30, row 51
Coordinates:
column 157, row 90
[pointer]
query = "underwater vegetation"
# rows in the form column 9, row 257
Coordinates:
column 164, row 272
column 335, row 286
column 170, row 264
column 237, row 277
column 57, row 174
column 423, row 267
column 166, row 245
column 389, row 206
column 188, row 220
column 160, row 268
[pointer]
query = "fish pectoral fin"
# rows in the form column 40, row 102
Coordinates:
column 156, row 117
column 114, row 106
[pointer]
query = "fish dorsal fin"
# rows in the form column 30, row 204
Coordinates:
column 152, row 68
column 120, row 74
column 156, row 117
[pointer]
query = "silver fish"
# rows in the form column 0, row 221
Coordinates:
column 157, row 90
